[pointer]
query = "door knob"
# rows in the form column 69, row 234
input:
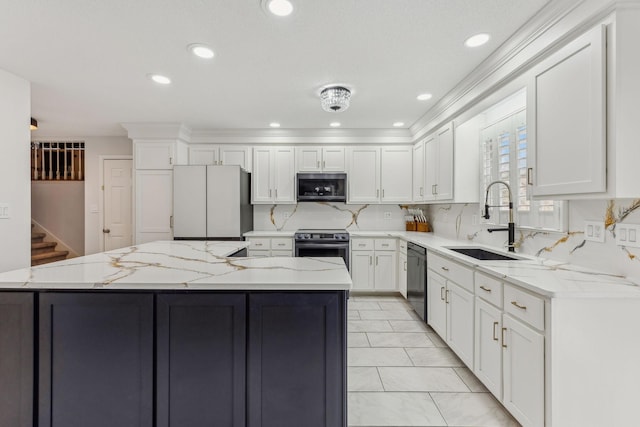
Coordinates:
column 106, row 231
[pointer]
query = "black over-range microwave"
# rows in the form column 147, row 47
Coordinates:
column 321, row 187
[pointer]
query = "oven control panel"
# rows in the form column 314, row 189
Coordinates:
column 341, row 236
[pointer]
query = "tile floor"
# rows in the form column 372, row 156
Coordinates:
column 402, row 374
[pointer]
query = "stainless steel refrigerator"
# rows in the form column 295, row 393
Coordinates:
column 211, row 202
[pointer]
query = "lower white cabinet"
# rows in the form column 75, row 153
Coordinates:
column 402, row 267
column 436, row 303
column 270, row 246
column 523, row 371
column 460, row 322
column 374, row 264
column 488, row 348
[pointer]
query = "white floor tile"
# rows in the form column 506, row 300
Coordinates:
column 399, row 339
column 437, row 341
column 386, row 314
column 368, row 326
column 395, row 305
column 379, row 357
column 434, row 356
column 357, row 339
column 472, row 409
column 364, row 379
column 363, row 305
column 408, row 326
column 393, row 409
column 421, row 379
column 353, row 315
column 471, row 380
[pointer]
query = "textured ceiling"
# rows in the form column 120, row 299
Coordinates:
column 87, row 60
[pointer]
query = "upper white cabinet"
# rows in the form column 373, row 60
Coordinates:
column 273, row 178
column 433, row 166
column 320, row 159
column 566, row 115
column 379, row 175
column 207, row 154
column 155, row 155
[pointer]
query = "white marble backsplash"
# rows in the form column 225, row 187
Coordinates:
column 460, row 221
column 327, row 215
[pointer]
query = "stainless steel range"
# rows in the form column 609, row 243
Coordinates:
column 322, row 243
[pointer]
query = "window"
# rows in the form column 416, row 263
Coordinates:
column 504, row 158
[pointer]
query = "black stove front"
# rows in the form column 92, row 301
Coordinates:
column 322, row 243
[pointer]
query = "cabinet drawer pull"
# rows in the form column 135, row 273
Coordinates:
column 444, row 268
column 495, row 332
column 281, row 244
column 530, row 176
column 385, row 244
column 521, row 307
column 361, row 245
column 441, row 291
column 484, row 288
column 446, row 296
column 504, row 343
column 258, row 244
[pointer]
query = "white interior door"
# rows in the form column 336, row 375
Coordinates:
column 117, row 203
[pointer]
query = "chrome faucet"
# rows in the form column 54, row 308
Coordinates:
column 511, row 228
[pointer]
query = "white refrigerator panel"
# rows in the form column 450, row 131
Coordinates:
column 189, row 201
column 223, row 201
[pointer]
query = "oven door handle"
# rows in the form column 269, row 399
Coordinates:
column 322, row 245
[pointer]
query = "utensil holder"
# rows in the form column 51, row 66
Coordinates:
column 410, row 226
column 423, row 226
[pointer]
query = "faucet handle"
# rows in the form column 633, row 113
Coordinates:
column 486, row 212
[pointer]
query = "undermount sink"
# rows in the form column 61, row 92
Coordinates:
column 484, row 254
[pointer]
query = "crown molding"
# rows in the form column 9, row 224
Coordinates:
column 142, row 131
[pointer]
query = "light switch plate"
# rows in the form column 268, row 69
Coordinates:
column 594, row 231
column 387, row 215
column 628, row 235
column 4, row 211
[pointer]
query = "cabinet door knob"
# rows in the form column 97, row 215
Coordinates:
column 106, row 231
column 495, row 332
column 444, row 268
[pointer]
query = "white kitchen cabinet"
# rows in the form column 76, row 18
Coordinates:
column 438, row 169
column 374, row 264
column 460, row 319
column 418, row 172
column 379, row 175
column 488, row 348
column 523, row 369
column 320, row 159
column 566, row 102
column 396, row 174
column 154, row 205
column 402, row 267
column 273, row 175
column 155, row 155
column 209, row 154
column 364, row 174
column 270, row 246
column 436, row 303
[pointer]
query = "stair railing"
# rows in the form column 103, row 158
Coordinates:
column 57, row 161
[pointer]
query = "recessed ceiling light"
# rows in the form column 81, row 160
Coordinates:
column 160, row 79
column 477, row 40
column 274, row 125
column 398, row 124
column 280, row 7
column 201, row 51
column 334, row 124
column 424, row 96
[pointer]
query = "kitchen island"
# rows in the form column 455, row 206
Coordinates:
column 174, row 334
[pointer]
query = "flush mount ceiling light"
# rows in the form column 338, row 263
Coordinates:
column 424, row 97
column 477, row 40
column 34, row 124
column 278, row 7
column 335, row 124
column 201, row 50
column 335, row 99
column 398, row 124
column 274, row 124
column 160, row 79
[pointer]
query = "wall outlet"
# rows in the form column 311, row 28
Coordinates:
column 4, row 211
column 387, row 215
column 594, row 231
column 628, row 235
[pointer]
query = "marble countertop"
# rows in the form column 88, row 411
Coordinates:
column 182, row 265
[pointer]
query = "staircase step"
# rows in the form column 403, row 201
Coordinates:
column 48, row 257
column 37, row 237
column 42, row 247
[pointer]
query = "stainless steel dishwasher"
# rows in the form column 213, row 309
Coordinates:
column 417, row 279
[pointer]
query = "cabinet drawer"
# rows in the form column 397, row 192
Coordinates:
column 258, row 253
column 402, row 245
column 489, row 289
column 524, row 306
column 461, row 275
column 260, row 243
column 281, row 253
column 362, row 245
column 280, row 244
column 385, row 244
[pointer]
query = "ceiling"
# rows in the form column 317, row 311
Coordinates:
column 88, row 60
